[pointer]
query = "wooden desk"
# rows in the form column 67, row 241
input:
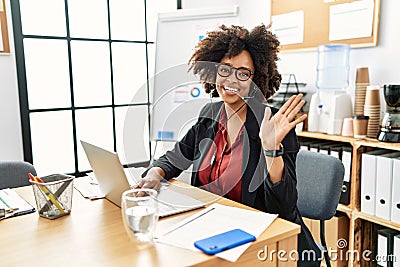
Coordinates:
column 94, row 235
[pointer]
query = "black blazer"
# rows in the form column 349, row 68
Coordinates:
column 257, row 190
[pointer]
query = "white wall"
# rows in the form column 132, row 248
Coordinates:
column 10, row 122
column 383, row 62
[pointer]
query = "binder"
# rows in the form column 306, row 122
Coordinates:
column 303, row 145
column 395, row 210
column 314, row 147
column 320, row 147
column 346, row 160
column 396, row 251
column 384, row 172
column 336, row 151
column 325, row 148
column 368, row 180
column 385, row 256
column 306, row 144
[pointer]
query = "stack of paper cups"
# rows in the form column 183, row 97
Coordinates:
column 372, row 108
column 362, row 81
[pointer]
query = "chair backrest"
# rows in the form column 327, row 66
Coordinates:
column 319, row 184
column 15, row 173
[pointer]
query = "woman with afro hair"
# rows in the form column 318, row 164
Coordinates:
column 239, row 147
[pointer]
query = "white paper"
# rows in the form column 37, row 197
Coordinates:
column 1, row 37
column 289, row 27
column 1, row 7
column 351, row 20
column 214, row 220
column 88, row 187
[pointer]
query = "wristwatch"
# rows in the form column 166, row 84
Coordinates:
column 274, row 153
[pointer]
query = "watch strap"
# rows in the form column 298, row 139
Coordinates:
column 274, row 153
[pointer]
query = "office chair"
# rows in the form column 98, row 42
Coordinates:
column 15, row 173
column 319, row 184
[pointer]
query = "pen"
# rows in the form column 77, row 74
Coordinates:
column 195, row 218
column 47, row 192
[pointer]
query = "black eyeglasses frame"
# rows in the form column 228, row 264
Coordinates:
column 231, row 68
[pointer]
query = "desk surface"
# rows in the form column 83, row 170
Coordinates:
column 94, row 235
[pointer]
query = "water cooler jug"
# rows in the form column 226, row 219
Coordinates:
column 331, row 103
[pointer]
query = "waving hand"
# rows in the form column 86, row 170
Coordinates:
column 273, row 130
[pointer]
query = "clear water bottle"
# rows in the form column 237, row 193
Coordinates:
column 333, row 67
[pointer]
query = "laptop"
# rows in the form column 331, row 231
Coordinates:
column 113, row 181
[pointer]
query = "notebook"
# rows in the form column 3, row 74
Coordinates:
column 113, row 181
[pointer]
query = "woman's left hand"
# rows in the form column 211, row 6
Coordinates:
column 273, row 130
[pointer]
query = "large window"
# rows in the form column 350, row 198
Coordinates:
column 81, row 65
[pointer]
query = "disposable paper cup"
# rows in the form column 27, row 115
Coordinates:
column 372, row 97
column 347, row 129
column 362, row 75
column 53, row 196
column 360, row 126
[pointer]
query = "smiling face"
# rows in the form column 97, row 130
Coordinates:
column 230, row 88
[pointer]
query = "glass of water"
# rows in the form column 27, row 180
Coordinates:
column 140, row 215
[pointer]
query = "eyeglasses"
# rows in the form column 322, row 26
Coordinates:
column 242, row 74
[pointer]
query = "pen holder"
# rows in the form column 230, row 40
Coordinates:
column 53, row 196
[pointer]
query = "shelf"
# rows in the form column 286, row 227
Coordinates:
column 368, row 142
column 375, row 143
column 375, row 219
column 329, row 137
column 344, row 208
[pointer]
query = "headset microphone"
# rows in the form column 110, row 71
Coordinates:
column 247, row 97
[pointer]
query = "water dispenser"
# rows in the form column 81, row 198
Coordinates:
column 331, row 103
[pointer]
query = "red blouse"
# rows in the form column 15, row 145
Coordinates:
column 221, row 169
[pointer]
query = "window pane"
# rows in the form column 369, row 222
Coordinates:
column 52, row 142
column 132, row 130
column 153, row 8
column 36, row 15
column 127, row 20
column 88, row 18
column 94, row 126
column 47, row 73
column 129, row 68
column 91, row 73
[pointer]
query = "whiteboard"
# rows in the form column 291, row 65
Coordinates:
column 177, row 94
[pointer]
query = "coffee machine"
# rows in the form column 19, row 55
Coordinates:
column 390, row 129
